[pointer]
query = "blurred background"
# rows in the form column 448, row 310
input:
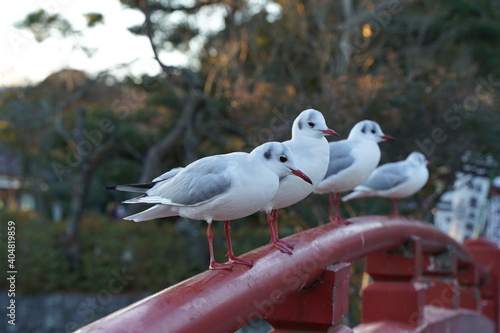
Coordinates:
column 99, row 93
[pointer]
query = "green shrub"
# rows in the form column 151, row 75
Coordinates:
column 151, row 253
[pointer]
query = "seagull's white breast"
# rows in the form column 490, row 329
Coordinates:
column 312, row 156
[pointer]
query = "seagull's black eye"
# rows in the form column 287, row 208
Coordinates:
column 310, row 124
column 283, row 158
column 374, row 131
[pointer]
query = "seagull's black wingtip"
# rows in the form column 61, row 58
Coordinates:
column 110, row 187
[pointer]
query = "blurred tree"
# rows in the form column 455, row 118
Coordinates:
column 382, row 59
column 44, row 25
column 83, row 152
column 60, row 129
column 426, row 71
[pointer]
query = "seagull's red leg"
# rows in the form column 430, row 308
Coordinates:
column 230, row 255
column 335, row 210
column 334, row 207
column 275, row 226
column 213, row 264
column 340, row 219
column 337, row 202
column 395, row 212
column 272, row 218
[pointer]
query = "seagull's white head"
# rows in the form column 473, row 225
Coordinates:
column 279, row 159
column 311, row 123
column 417, row 159
column 370, row 130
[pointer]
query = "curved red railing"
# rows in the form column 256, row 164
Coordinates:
column 423, row 281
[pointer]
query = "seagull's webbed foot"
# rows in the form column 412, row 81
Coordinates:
column 345, row 222
column 219, row 266
column 235, row 260
column 334, row 219
column 283, row 246
column 337, row 221
column 288, row 245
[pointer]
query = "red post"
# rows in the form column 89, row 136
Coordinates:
column 488, row 255
column 419, row 292
column 443, row 293
column 440, row 272
column 316, row 308
column 469, row 280
column 397, row 293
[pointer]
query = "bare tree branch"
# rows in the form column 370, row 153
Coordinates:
column 157, row 151
column 58, row 124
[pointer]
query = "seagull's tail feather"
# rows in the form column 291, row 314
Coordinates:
column 355, row 195
column 154, row 212
column 141, row 188
column 150, row 199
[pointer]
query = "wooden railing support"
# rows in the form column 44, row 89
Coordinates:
column 487, row 254
column 398, row 292
column 316, row 308
column 309, row 290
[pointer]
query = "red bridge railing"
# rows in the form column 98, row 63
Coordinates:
column 423, row 281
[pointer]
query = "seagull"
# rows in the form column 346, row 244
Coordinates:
column 395, row 180
column 220, row 187
column 351, row 162
column 310, row 148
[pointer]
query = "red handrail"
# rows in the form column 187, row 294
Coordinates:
column 223, row 301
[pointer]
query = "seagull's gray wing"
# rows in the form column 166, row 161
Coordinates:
column 144, row 187
column 340, row 158
column 386, row 177
column 168, row 174
column 198, row 182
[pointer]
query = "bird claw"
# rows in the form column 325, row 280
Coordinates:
column 219, row 266
column 339, row 221
column 334, row 219
column 284, row 247
column 288, row 245
column 241, row 261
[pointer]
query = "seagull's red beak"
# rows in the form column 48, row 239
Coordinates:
column 388, row 138
column 302, row 175
column 330, row 132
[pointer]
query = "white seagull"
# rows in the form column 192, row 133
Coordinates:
column 351, row 162
column 310, row 148
column 220, row 187
column 395, row 180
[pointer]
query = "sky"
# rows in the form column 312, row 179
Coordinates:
column 24, row 60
